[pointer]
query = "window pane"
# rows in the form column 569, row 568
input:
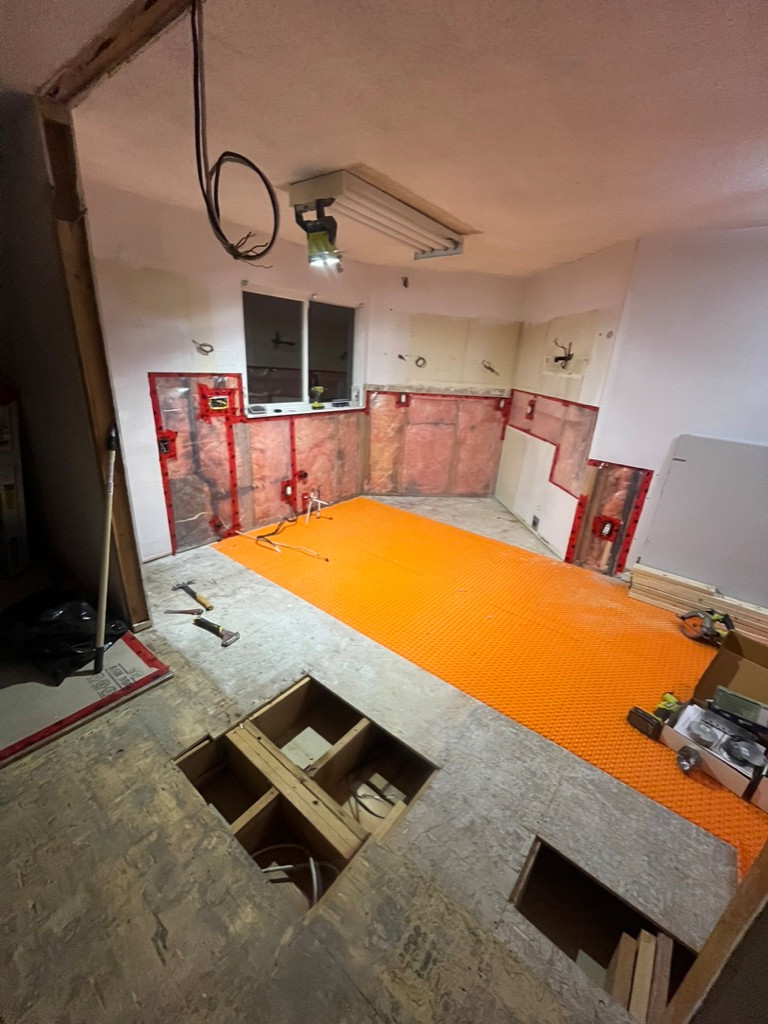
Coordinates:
column 272, row 348
column 331, row 344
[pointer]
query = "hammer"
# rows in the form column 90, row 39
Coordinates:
column 187, row 588
column 227, row 637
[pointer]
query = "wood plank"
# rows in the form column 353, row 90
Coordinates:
column 244, row 766
column 275, row 718
column 346, row 754
column 68, row 208
column 522, row 879
column 125, row 35
column 662, row 968
column 670, row 578
column 391, row 819
column 198, row 760
column 720, row 954
column 643, row 977
column 693, row 601
column 344, row 837
column 758, row 631
column 349, row 738
column 243, row 826
column 618, row 980
column 280, row 766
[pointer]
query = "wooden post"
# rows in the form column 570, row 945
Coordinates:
column 723, row 950
column 69, row 218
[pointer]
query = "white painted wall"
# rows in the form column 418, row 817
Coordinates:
column 598, row 281
column 443, row 292
column 692, row 353
column 162, row 280
column 580, row 303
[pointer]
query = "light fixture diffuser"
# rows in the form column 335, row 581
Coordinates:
column 373, row 208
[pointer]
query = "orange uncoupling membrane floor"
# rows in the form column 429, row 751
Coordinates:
column 561, row 650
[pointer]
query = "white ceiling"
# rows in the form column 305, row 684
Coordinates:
column 553, row 127
column 38, row 36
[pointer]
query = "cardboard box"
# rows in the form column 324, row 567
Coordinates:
column 740, row 665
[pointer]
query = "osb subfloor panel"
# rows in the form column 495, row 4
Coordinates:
column 124, row 899
column 559, row 649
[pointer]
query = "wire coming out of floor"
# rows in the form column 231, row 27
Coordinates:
column 312, row 864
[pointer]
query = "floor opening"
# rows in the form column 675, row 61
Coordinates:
column 303, row 782
column 603, row 934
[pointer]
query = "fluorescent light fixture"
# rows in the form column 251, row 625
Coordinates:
column 367, row 205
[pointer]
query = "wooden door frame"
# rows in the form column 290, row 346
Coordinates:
column 133, row 29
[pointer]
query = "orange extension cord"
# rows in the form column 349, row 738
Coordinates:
column 561, row 650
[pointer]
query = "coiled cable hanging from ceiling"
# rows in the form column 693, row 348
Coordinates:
column 210, row 177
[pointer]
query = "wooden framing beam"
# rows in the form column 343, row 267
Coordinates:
column 69, row 220
column 123, row 38
column 722, row 947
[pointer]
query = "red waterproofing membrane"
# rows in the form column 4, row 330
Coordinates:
column 153, row 663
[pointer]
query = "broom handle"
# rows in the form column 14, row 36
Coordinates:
column 101, row 611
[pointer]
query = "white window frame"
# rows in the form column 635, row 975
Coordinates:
column 357, row 392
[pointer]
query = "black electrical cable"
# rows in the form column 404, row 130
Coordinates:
column 210, row 177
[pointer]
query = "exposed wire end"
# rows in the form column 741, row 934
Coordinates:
column 209, row 177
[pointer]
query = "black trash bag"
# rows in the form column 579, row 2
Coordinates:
column 57, row 638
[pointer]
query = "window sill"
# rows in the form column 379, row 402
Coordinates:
column 273, row 411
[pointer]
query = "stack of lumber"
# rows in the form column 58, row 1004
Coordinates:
column 677, row 594
column 638, row 975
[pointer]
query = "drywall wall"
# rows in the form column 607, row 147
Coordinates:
column 486, row 299
column 711, row 521
column 691, row 356
column 578, row 305
column 65, row 495
column 460, row 352
column 163, row 281
column 523, row 486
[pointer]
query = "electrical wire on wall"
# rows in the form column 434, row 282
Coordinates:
column 209, row 176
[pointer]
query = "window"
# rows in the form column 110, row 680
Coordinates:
column 294, row 346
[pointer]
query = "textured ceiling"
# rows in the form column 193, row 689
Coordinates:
column 553, row 128
column 38, row 36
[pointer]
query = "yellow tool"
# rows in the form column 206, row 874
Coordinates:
column 187, row 588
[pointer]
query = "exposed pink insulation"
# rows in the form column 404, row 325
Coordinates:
column 576, row 430
column 424, row 409
column 232, row 469
column 270, row 465
column 567, row 425
column 433, row 445
column 614, row 486
column 387, row 429
column 479, row 452
column 328, row 449
column 349, row 458
column 427, row 457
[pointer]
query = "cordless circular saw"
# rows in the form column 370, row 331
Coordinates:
column 706, row 625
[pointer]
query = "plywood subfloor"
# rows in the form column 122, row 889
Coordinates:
column 561, row 650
